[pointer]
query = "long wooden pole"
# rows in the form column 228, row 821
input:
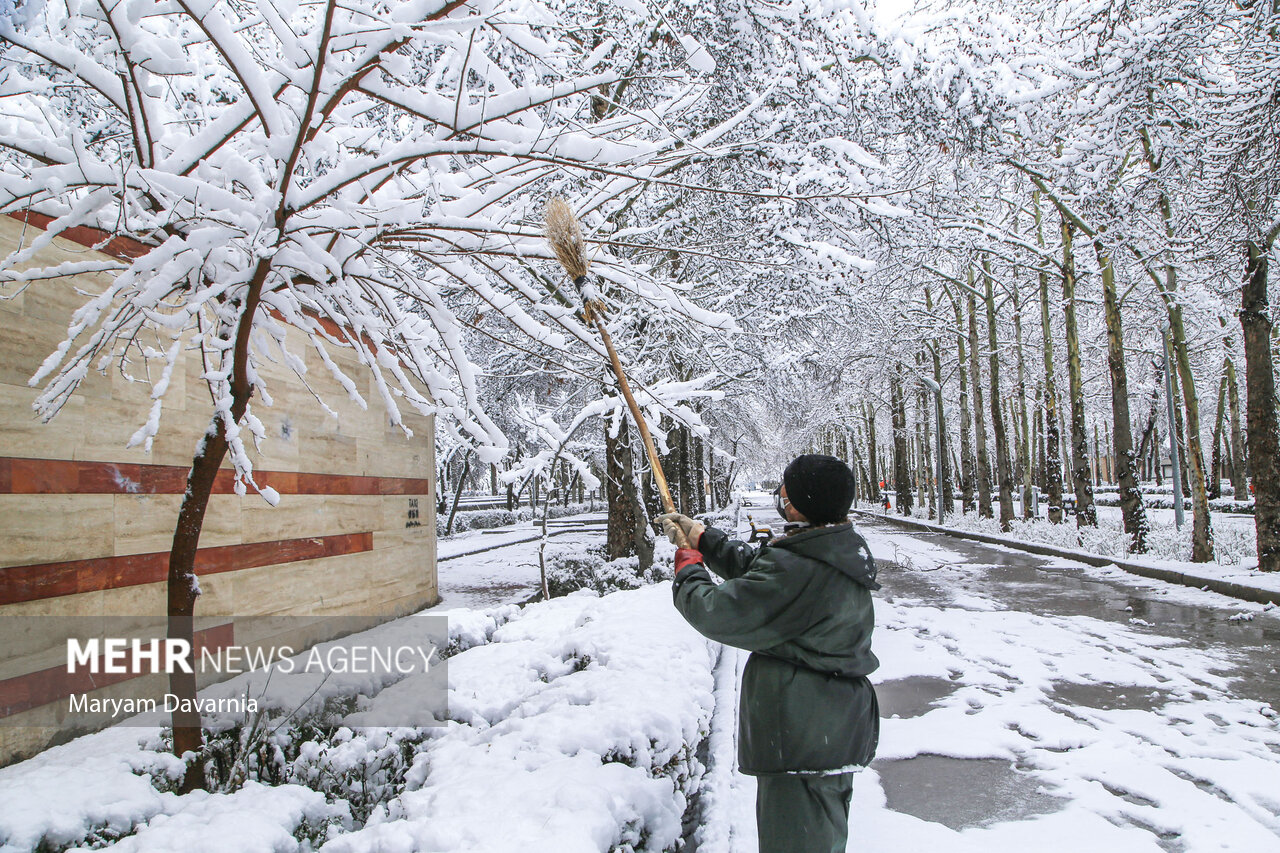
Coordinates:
column 623, row 385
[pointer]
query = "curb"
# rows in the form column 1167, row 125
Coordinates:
column 1224, row 587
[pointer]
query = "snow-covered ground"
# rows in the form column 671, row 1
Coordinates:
column 483, row 568
column 605, row 723
column 1235, row 544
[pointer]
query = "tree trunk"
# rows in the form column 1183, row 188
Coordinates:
column 1202, row 530
column 966, row 446
column 457, row 493
column 872, row 451
column 1181, row 436
column 627, row 530
column 1086, row 513
column 1052, row 440
column 1260, row 405
column 1215, row 465
column 183, row 587
column 1037, row 430
column 1239, row 482
column 901, row 469
column 1003, row 472
column 673, row 462
column 948, row 500
column 702, row 475
column 1131, row 508
column 1026, row 454
column 1155, row 453
column 983, row 472
column 926, row 446
column 1097, row 456
column 1145, row 446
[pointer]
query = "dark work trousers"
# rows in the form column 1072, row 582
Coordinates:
column 803, row 813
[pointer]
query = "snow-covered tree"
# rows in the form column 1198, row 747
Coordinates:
column 345, row 169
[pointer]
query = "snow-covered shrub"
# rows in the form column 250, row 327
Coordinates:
column 575, row 724
column 365, row 769
column 487, row 519
column 479, row 519
column 576, row 727
column 101, row 792
column 725, row 518
column 356, row 771
column 468, row 628
column 570, row 568
column 1232, row 543
column 1165, row 501
column 560, row 510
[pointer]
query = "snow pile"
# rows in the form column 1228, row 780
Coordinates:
column 255, row 819
column 573, row 725
column 574, row 729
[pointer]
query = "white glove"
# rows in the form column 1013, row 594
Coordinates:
column 682, row 530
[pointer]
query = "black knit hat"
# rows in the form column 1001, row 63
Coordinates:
column 819, row 487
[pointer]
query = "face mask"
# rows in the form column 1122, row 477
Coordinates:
column 780, row 503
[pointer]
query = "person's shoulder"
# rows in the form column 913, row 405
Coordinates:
column 770, row 556
column 860, row 543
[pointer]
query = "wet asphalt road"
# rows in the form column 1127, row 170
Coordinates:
column 965, row 793
column 1021, row 581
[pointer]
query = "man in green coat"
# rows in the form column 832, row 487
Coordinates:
column 808, row 717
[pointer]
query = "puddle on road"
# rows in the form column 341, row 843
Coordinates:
column 488, row 595
column 901, row 584
column 1109, row 697
column 912, row 697
column 960, row 793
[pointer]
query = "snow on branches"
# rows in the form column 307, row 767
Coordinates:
column 551, row 441
column 342, row 169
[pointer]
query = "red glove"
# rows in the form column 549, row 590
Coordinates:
column 687, row 557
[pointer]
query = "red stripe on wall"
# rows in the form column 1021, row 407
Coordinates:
column 124, row 248
column 49, row 580
column 24, row 692
column 19, row 476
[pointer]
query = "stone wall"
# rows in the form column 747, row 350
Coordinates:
column 86, row 524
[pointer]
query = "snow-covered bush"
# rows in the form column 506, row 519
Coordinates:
column 358, row 770
column 487, row 519
column 1164, row 500
column 725, row 518
column 1232, row 543
column 574, row 724
column 570, row 569
column 479, row 519
column 575, row 727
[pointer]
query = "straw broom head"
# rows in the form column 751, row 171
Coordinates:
column 565, row 236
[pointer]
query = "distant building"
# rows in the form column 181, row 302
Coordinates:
column 86, row 525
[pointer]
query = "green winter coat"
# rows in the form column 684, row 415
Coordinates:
column 802, row 605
